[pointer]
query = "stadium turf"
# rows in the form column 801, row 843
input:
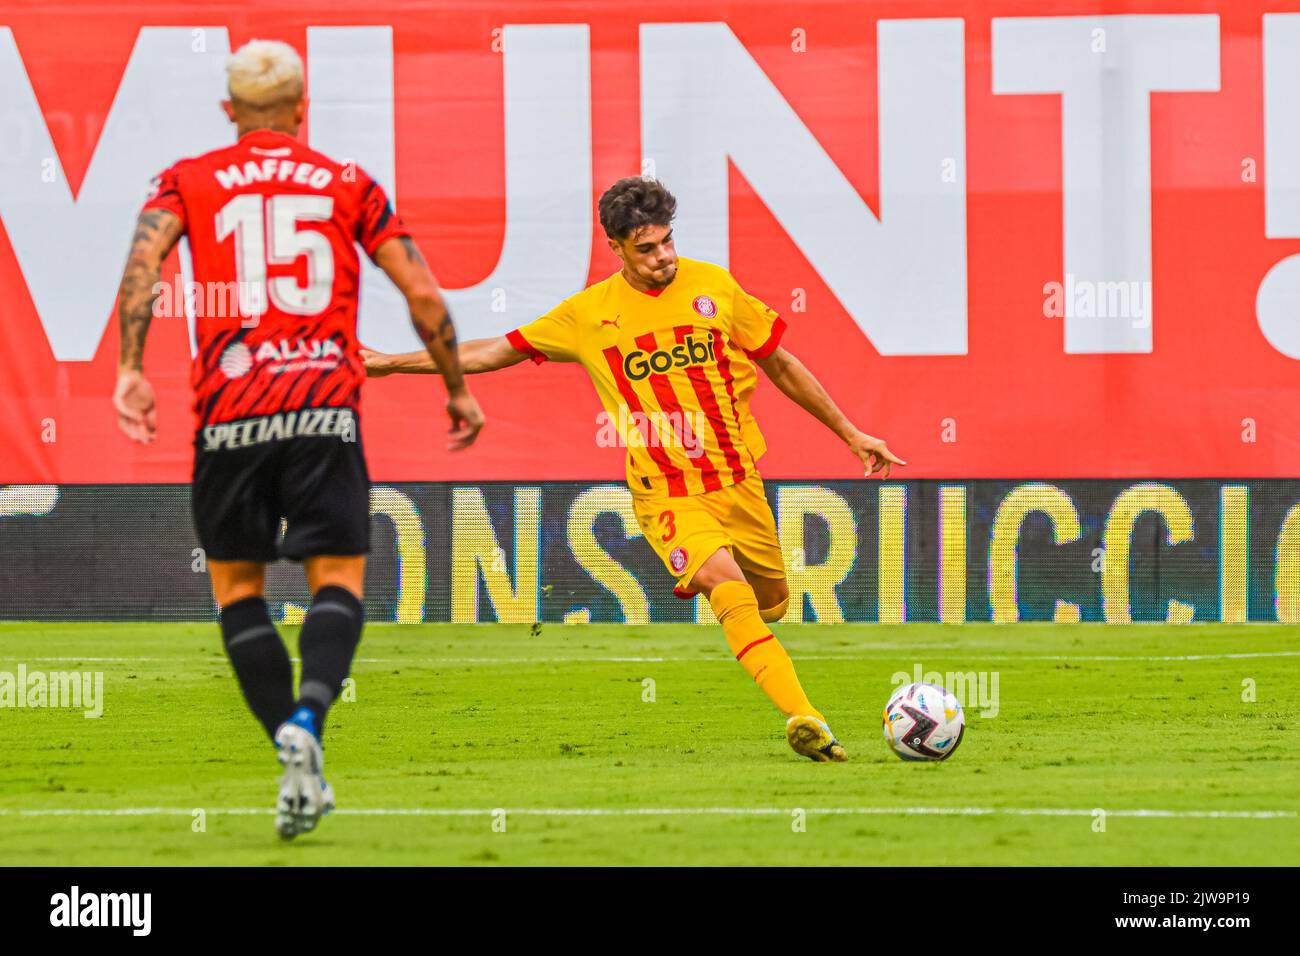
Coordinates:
column 557, row 728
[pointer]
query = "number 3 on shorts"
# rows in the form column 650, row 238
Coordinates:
column 667, row 521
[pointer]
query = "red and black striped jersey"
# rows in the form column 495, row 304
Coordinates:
column 273, row 228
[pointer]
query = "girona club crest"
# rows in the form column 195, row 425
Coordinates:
column 678, row 558
column 705, row 306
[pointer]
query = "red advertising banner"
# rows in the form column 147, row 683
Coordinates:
column 1050, row 240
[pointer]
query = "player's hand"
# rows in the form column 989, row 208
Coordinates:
column 377, row 363
column 466, row 418
column 875, row 455
column 134, row 401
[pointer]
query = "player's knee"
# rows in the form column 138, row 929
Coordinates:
column 773, row 599
column 776, row 611
column 233, row 581
column 347, row 572
column 719, row 568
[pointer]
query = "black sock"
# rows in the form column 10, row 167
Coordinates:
column 329, row 638
column 260, row 660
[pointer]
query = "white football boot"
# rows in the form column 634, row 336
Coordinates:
column 304, row 795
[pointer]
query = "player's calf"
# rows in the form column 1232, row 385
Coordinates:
column 260, row 661
column 757, row 649
column 327, row 643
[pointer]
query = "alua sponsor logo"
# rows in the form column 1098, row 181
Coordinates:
column 268, row 351
column 238, row 359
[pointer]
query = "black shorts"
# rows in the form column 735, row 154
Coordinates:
column 305, row 467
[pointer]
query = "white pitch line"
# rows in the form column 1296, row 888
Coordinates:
column 954, row 653
column 1120, row 657
column 667, row 812
column 100, row 660
column 813, row 657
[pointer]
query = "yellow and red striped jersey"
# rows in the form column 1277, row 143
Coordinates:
column 673, row 370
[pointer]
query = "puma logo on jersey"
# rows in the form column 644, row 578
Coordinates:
column 691, row 351
column 613, row 322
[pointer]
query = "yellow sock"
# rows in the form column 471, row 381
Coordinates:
column 758, row 650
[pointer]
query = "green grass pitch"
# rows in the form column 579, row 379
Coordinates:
column 451, row 723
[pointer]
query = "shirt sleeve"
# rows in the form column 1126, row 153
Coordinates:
column 378, row 222
column 754, row 327
column 553, row 336
column 165, row 194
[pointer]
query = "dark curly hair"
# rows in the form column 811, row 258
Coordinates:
column 635, row 202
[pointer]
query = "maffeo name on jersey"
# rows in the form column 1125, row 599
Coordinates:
column 306, row 423
column 274, row 171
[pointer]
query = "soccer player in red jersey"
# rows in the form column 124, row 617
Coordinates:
column 273, row 228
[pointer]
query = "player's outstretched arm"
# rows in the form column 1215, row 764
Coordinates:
column 800, row 385
column 156, row 232
column 400, row 258
column 476, row 356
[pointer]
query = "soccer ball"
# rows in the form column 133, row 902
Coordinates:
column 924, row 722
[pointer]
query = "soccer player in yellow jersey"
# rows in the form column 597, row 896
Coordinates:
column 671, row 345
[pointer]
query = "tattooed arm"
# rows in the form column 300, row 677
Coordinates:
column 400, row 258
column 156, row 232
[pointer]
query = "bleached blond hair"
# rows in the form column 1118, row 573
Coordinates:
column 264, row 73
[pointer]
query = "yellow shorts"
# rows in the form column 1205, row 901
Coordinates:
column 685, row 532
